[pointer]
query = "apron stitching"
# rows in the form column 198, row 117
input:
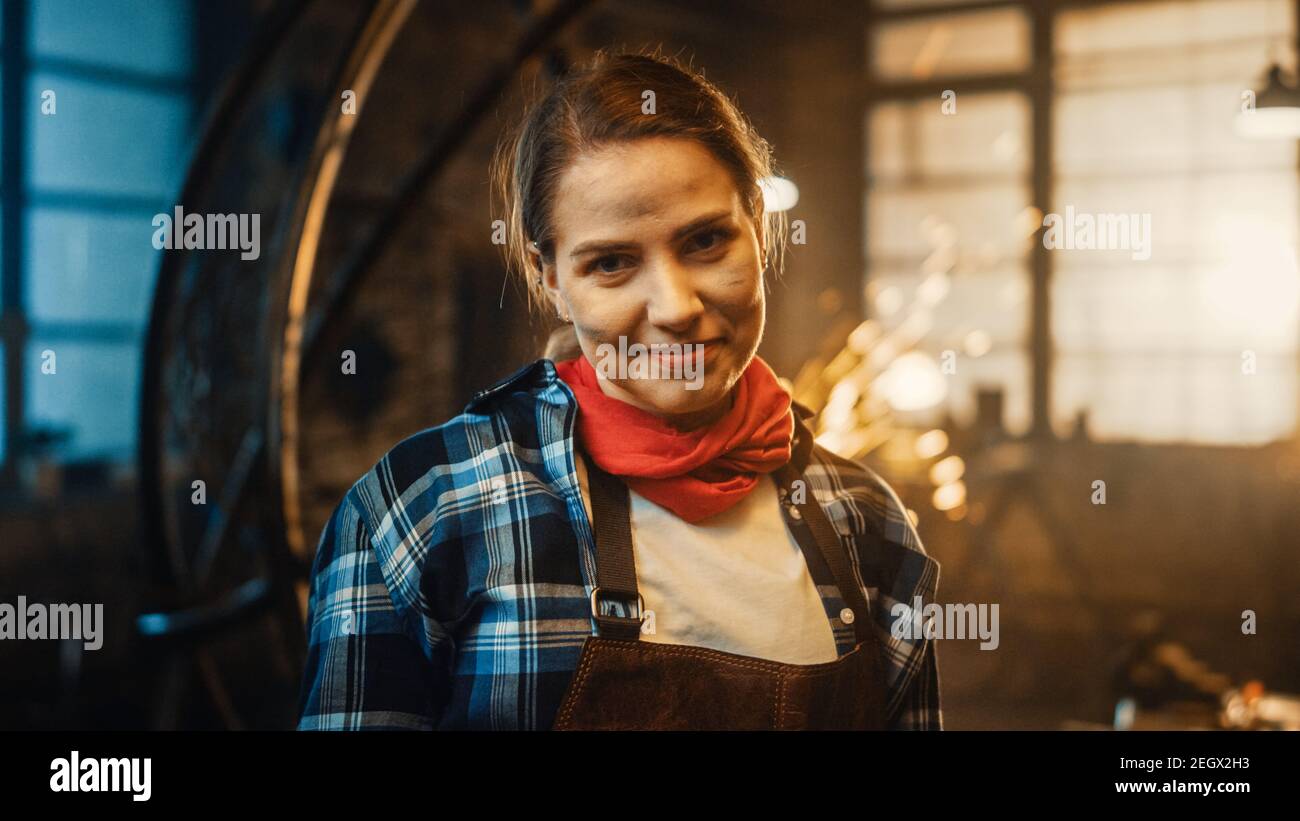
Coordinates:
column 780, row 705
column 763, row 665
column 580, row 684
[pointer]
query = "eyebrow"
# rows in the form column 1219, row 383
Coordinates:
column 619, row 245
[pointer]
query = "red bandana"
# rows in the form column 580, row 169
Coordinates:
column 696, row 473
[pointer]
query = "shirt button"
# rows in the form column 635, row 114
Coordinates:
column 846, row 616
column 794, row 512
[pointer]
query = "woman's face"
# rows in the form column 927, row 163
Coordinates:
column 652, row 244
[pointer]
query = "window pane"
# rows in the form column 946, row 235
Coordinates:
column 1181, row 128
column 1190, row 30
column 106, row 139
column 1190, row 308
column 983, row 42
column 89, row 267
column 902, row 223
column 93, row 391
column 1181, row 397
column 96, row 32
column 1220, row 217
column 985, row 136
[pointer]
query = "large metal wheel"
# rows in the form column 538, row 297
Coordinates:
column 231, row 342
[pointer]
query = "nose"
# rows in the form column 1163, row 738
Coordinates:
column 673, row 302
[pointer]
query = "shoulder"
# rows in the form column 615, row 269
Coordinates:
column 862, row 505
column 401, row 487
column 435, row 477
column 875, row 503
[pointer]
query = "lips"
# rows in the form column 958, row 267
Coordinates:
column 717, row 340
column 701, row 350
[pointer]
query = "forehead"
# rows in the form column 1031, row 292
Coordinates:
column 635, row 184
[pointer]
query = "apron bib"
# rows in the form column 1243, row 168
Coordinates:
column 623, row 683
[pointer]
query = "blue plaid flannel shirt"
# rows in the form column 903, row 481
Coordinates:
column 450, row 588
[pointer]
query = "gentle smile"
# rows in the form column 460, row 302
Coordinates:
column 656, row 360
column 673, row 351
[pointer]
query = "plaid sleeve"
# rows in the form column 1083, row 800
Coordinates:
column 917, row 574
column 901, row 571
column 920, row 708
column 364, row 671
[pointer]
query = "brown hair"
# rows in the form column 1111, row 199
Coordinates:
column 601, row 103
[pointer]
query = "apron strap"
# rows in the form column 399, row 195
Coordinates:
column 615, row 566
column 828, row 543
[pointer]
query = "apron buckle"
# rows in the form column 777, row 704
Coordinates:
column 596, row 614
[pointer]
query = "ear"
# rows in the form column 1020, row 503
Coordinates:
column 547, row 275
column 535, row 264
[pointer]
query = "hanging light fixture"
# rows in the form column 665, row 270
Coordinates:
column 1274, row 114
column 779, row 194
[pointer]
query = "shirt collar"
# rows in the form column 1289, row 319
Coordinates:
column 531, row 378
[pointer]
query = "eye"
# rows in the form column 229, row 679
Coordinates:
column 711, row 239
column 601, row 265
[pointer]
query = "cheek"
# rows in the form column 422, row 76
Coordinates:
column 739, row 295
column 600, row 313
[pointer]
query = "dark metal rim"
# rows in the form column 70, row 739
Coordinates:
column 161, row 531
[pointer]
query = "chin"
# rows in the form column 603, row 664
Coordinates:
column 698, row 391
column 674, row 397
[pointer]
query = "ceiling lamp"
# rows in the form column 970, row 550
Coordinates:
column 779, row 194
column 1275, row 114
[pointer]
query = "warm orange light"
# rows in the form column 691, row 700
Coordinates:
column 913, row 382
column 930, row 444
column 947, row 470
column 949, row 496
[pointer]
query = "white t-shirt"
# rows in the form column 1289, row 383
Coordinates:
column 736, row 582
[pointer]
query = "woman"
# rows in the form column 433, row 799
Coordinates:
column 643, row 535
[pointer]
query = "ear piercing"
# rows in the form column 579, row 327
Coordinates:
column 537, row 260
column 559, row 312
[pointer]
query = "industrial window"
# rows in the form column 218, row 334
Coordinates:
column 94, row 144
column 1146, row 98
column 1143, row 97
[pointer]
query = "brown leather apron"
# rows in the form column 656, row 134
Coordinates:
column 623, row 683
